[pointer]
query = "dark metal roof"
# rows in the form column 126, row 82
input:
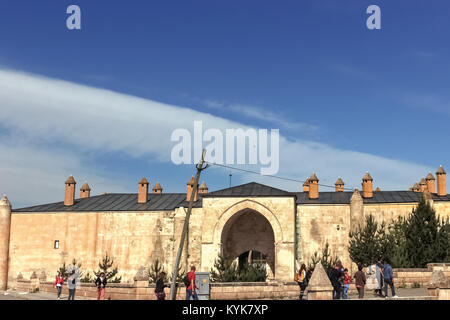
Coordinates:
column 251, row 189
column 170, row 201
column 378, row 197
column 118, row 202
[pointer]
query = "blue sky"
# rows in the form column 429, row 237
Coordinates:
column 374, row 101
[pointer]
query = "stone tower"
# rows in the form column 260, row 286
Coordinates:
column 356, row 211
column 5, row 223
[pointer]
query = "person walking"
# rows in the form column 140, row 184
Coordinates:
column 360, row 281
column 336, row 281
column 308, row 277
column 347, row 281
column 379, row 277
column 71, row 284
column 159, row 286
column 341, row 279
column 300, row 277
column 101, row 284
column 190, row 290
column 59, row 283
column 388, row 279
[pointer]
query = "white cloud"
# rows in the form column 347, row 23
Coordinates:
column 82, row 119
column 262, row 114
column 429, row 102
column 30, row 175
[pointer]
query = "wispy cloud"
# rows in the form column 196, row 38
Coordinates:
column 262, row 114
column 429, row 102
column 349, row 70
column 41, row 113
column 424, row 54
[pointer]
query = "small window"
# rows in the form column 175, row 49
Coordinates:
column 56, row 245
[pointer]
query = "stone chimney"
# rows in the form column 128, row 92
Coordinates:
column 422, row 185
column 306, row 185
column 5, row 227
column 313, row 187
column 143, row 191
column 69, row 196
column 203, row 188
column 367, row 186
column 441, row 182
column 157, row 189
column 85, row 191
column 430, row 183
column 190, row 189
column 416, row 187
column 339, row 185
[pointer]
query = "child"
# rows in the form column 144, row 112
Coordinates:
column 347, row 281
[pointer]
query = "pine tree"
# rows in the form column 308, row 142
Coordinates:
column 396, row 240
column 155, row 269
column 253, row 272
column 225, row 270
column 106, row 266
column 427, row 237
column 67, row 270
column 326, row 259
column 367, row 243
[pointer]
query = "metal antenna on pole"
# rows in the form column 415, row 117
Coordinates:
column 200, row 168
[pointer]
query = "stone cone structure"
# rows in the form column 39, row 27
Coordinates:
column 437, row 279
column 141, row 274
column 319, row 286
column 439, row 285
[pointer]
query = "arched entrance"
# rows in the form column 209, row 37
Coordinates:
column 249, row 234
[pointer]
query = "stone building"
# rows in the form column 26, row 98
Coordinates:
column 247, row 221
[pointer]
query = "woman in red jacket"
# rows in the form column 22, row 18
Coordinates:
column 58, row 283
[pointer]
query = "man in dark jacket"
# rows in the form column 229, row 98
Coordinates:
column 360, row 281
column 336, row 276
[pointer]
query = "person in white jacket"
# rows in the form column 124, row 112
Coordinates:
column 72, row 285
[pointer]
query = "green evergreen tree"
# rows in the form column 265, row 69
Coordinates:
column 396, row 240
column 106, row 265
column 66, row 270
column 325, row 258
column 155, row 269
column 88, row 278
column 427, row 237
column 253, row 272
column 368, row 243
column 225, row 270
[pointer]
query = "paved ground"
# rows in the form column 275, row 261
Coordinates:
column 403, row 294
column 16, row 295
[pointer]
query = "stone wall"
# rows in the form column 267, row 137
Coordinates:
column 410, row 277
column 319, row 224
column 131, row 238
column 134, row 239
column 141, row 290
column 219, row 291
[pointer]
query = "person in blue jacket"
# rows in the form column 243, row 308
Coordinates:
column 388, row 279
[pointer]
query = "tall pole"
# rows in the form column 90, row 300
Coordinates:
column 200, row 168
